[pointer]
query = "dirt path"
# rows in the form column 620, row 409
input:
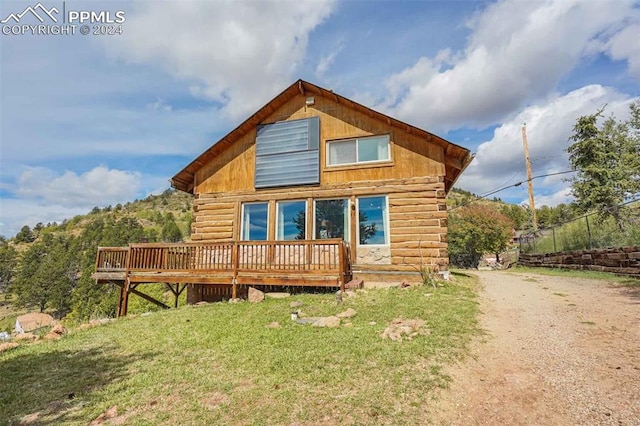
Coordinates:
column 557, row 351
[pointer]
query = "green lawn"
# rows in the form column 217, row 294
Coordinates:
column 221, row 364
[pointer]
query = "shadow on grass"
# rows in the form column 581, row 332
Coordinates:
column 459, row 273
column 52, row 387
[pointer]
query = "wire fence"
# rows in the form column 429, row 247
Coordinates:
column 586, row 232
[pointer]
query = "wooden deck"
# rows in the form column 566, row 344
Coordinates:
column 317, row 263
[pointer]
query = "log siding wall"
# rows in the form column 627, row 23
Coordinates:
column 417, row 216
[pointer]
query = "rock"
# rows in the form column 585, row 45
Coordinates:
column 29, row 322
column 8, row 345
column 146, row 314
column 354, row 283
column 404, row 284
column 338, row 296
column 274, row 324
column 26, row 336
column 330, row 322
column 349, row 313
column 277, row 295
column 236, row 300
column 295, row 304
column 408, row 329
column 58, row 329
column 350, row 293
column 52, row 336
column 349, row 324
column 201, row 303
column 255, row 295
column 372, row 323
column 306, row 320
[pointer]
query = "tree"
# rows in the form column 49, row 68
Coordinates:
column 518, row 215
column 170, row 232
column 8, row 263
column 46, row 275
column 25, row 235
column 607, row 161
column 88, row 299
column 475, row 230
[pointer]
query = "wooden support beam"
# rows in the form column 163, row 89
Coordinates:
column 149, row 298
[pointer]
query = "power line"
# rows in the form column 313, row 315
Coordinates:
column 511, row 186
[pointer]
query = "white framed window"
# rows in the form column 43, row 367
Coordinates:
column 255, row 222
column 331, row 219
column 359, row 150
column 373, row 220
column 291, row 222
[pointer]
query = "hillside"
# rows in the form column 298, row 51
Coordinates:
column 150, row 213
column 243, row 363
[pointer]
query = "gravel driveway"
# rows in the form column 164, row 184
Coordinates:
column 557, row 350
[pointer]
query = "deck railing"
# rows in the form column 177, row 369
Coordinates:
column 304, row 256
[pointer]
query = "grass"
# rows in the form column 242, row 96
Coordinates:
column 574, row 236
column 596, row 275
column 220, row 364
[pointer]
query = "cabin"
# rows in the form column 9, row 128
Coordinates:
column 314, row 190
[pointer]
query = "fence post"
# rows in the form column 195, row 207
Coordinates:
column 586, row 218
column 534, row 241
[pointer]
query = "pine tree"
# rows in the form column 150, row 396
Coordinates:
column 607, row 161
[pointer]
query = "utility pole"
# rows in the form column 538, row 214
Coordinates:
column 529, row 181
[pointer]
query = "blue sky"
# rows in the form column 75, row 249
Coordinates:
column 93, row 120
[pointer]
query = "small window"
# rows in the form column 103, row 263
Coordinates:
column 254, row 222
column 373, row 220
column 332, row 219
column 292, row 219
column 360, row 150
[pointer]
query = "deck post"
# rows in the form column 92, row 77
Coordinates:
column 342, row 267
column 235, row 257
column 120, row 296
column 124, row 297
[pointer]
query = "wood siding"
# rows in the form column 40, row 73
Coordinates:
column 417, row 216
column 233, row 170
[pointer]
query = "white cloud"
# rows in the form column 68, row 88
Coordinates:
column 624, row 45
column 19, row 212
column 237, row 53
column 517, row 53
column 562, row 196
column 99, row 186
column 549, row 125
column 327, row 61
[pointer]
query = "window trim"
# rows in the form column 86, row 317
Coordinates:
column 387, row 223
column 242, row 221
column 277, row 221
column 386, row 161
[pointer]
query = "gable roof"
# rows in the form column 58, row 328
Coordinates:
column 457, row 158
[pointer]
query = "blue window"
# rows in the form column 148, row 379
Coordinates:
column 373, row 220
column 254, row 221
column 292, row 220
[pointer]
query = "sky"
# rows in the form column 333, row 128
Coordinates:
column 99, row 119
